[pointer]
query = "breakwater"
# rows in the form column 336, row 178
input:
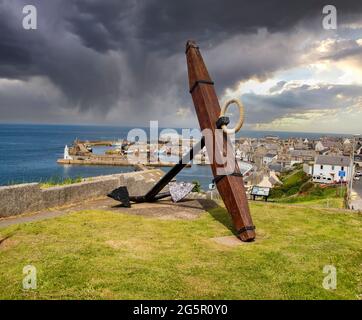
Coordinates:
column 112, row 161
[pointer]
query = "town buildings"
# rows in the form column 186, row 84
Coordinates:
column 327, row 160
column 331, row 169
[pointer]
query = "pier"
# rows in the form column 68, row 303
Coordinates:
column 113, row 161
column 81, row 153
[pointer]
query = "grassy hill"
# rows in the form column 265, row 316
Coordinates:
column 298, row 188
column 108, row 255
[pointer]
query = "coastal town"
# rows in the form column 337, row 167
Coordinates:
column 328, row 161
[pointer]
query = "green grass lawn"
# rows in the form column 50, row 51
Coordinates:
column 108, row 255
column 328, row 197
column 337, row 202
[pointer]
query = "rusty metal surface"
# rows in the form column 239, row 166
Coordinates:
column 231, row 188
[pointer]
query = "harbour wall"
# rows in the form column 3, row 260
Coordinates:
column 30, row 197
column 111, row 161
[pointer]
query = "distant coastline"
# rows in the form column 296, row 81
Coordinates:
column 244, row 132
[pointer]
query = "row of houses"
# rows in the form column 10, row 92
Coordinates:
column 328, row 160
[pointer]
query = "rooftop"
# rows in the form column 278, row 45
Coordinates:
column 333, row 160
column 302, row 153
column 270, row 155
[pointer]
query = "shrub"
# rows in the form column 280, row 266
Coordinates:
column 317, row 191
column 297, row 166
column 276, row 193
column 293, row 190
column 306, row 186
column 197, row 187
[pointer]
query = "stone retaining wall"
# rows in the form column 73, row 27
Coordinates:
column 30, row 197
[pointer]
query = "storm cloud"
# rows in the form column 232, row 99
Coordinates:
column 123, row 61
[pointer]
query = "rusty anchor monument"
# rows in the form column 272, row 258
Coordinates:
column 211, row 119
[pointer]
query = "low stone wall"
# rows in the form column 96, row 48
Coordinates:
column 30, row 197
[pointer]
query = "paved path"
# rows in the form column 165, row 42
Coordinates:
column 356, row 201
column 164, row 209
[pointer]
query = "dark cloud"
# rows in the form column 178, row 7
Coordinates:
column 102, row 25
column 127, row 56
column 163, row 25
column 87, row 78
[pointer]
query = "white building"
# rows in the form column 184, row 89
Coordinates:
column 269, row 157
column 319, row 146
column 326, row 169
column 66, row 153
column 308, row 168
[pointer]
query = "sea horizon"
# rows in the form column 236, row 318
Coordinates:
column 283, row 132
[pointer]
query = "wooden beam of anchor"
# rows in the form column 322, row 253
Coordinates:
column 231, row 188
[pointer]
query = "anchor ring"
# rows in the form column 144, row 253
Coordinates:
column 241, row 116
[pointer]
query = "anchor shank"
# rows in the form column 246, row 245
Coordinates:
column 231, row 188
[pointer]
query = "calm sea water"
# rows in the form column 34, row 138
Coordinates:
column 28, row 153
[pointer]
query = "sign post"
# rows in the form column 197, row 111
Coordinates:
column 341, row 175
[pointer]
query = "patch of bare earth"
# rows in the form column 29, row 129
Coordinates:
column 229, row 241
column 165, row 209
column 234, row 241
column 188, row 209
column 7, row 243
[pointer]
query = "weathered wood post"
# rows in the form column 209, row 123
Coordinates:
column 230, row 187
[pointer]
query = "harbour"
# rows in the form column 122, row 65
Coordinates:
column 29, row 153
